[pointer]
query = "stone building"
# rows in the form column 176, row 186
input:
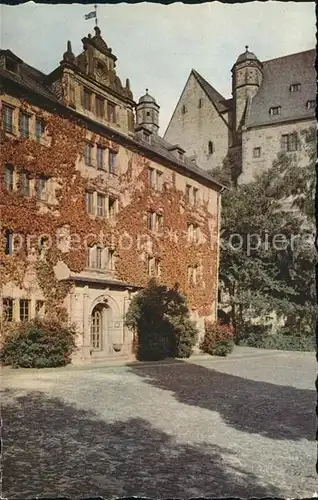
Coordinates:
column 272, row 103
column 94, row 202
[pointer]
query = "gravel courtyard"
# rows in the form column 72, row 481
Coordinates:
column 241, row 426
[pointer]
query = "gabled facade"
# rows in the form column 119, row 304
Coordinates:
column 94, row 202
column 272, row 103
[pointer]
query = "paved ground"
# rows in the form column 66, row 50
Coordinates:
column 242, row 426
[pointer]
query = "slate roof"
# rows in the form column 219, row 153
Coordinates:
column 34, row 80
column 29, row 77
column 214, row 96
column 278, row 75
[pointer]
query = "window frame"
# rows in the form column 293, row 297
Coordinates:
column 23, row 174
column 9, row 172
column 111, row 112
column 24, row 130
column 89, row 201
column 87, row 99
column 295, row 87
column 273, row 109
column 42, row 188
column 257, row 152
column 100, row 157
column 88, row 157
column 99, row 106
column 100, row 207
column 8, row 308
column 24, row 312
column 7, row 124
column 112, row 162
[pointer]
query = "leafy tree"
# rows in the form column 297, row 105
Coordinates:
column 269, row 265
column 161, row 319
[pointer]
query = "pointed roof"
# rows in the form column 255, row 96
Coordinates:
column 214, row 96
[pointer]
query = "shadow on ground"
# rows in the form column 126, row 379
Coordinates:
column 274, row 411
column 54, row 449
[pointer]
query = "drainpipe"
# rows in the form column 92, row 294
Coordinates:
column 218, row 249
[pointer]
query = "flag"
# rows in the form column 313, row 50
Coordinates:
column 90, row 15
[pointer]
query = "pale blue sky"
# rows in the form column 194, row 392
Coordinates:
column 157, row 45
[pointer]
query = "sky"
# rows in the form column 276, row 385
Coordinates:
column 158, row 45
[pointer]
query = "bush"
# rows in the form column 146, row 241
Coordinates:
column 38, row 344
column 282, row 340
column 161, row 320
column 218, row 339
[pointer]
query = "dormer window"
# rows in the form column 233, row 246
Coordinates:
column 295, row 87
column 275, row 110
column 12, row 65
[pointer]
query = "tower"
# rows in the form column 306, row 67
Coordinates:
column 148, row 113
column 246, row 79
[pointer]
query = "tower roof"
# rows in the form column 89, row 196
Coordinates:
column 246, row 56
column 147, row 98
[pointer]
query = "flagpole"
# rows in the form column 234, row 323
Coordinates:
column 96, row 20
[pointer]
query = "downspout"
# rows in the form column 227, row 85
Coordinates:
column 218, row 228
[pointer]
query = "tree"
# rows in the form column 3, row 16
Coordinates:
column 161, row 319
column 267, row 252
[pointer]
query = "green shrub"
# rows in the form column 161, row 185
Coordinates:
column 218, row 339
column 160, row 318
column 282, row 340
column 38, row 344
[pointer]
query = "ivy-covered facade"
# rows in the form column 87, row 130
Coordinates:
column 94, row 202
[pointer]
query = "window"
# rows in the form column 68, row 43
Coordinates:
column 7, row 116
column 100, row 205
column 195, row 195
column 157, row 267
column 7, row 309
column 210, row 147
column 275, row 110
column 41, row 188
column 311, row 104
column 187, row 192
column 87, row 97
column 39, row 129
column 150, row 220
column 153, row 266
column 289, row 142
column 112, row 205
column 24, row 125
column 111, row 112
column 9, row 248
column 151, row 174
column 111, row 259
column 88, row 153
column 183, row 110
column 24, row 310
column 159, row 180
column 24, row 183
column 90, row 202
column 193, row 233
column 200, row 103
column 8, row 177
column 100, row 157
column 40, row 308
column 99, row 107
column 148, row 113
column 158, row 222
column 192, row 275
column 96, row 328
column 98, row 253
column 12, row 65
column 196, row 234
column 112, row 162
column 295, row 87
column 95, row 257
column 256, row 152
